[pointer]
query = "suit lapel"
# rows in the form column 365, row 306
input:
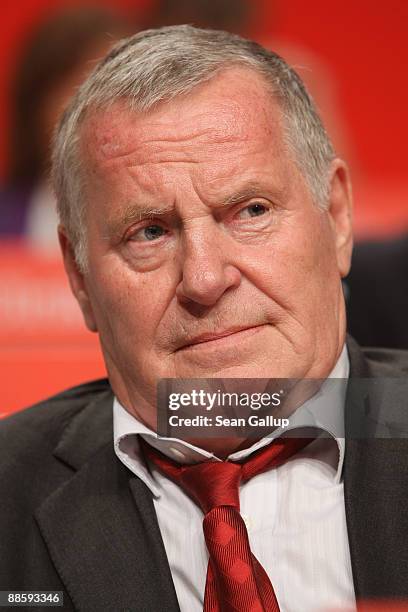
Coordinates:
column 100, row 526
column 375, row 489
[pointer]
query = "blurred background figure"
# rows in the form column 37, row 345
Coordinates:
column 55, row 60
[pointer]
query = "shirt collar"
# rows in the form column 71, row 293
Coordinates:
column 325, row 411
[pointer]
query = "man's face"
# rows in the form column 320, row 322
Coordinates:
column 207, row 255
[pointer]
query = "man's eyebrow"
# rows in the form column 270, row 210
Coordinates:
column 250, row 191
column 240, row 196
column 133, row 213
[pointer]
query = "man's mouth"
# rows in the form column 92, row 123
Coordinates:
column 239, row 332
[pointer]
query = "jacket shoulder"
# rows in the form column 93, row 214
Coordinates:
column 41, row 425
column 392, row 363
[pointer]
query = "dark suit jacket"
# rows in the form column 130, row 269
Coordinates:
column 73, row 518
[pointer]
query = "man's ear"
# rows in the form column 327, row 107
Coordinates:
column 76, row 280
column 340, row 212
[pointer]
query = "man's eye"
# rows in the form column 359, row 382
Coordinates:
column 253, row 210
column 150, row 232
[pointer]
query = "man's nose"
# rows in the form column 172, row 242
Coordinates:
column 207, row 264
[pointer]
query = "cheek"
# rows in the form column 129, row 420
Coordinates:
column 311, row 249
column 291, row 256
column 298, row 266
column 127, row 305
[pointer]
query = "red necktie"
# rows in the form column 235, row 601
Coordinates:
column 236, row 581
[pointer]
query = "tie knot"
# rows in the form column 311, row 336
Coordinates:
column 212, row 484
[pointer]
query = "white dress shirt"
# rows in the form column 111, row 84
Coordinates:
column 294, row 514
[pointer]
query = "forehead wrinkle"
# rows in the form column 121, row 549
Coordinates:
column 228, row 127
column 215, row 133
column 183, row 149
column 165, row 126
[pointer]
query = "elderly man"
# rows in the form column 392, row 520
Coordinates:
column 205, row 229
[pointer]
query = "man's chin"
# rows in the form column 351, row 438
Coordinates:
column 259, row 367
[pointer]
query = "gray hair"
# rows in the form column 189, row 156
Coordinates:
column 158, row 65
